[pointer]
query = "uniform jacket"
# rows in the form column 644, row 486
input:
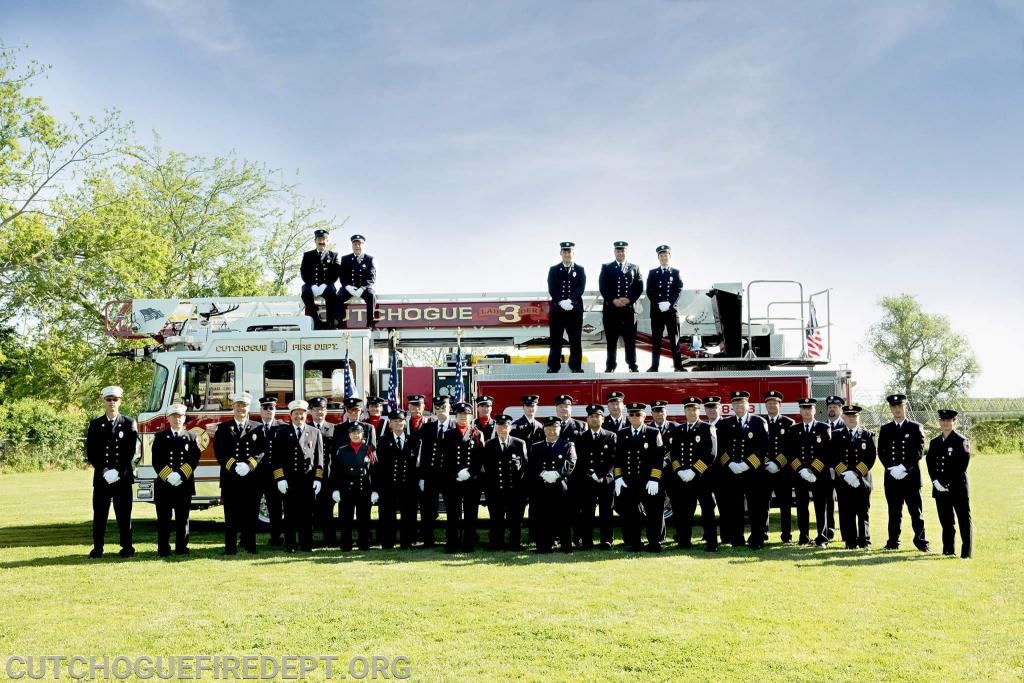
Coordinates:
column 315, row 270
column 268, row 434
column 431, row 441
column 739, row 443
column 855, row 455
column 462, row 451
column 570, row 428
column 779, row 431
column 947, row 461
column 358, row 273
column 110, row 445
column 294, row 457
column 811, row 450
column 530, row 431
column 639, row 458
column 567, row 283
column 341, row 435
column 691, row 448
column 176, row 453
column 504, row 471
column 232, row 446
column 902, row 445
column 353, row 472
column 613, row 425
column 487, row 430
column 558, row 456
column 617, row 281
column 328, row 430
column 396, row 466
column 594, row 455
column 663, row 286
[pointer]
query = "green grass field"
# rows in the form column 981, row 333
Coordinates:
column 781, row 614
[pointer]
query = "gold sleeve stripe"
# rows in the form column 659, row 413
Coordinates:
column 700, row 467
column 863, row 469
column 279, row 473
column 165, row 472
column 253, row 463
column 655, row 473
column 229, row 464
column 618, row 471
column 782, row 460
column 675, row 465
column 754, row 461
column 841, row 467
column 724, row 460
column 186, row 469
column 319, row 473
column 817, row 465
column 795, row 464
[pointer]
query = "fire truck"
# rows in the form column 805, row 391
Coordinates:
column 733, row 337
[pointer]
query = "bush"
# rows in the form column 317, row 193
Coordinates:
column 998, row 436
column 37, row 435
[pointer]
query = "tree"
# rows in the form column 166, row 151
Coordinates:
column 927, row 358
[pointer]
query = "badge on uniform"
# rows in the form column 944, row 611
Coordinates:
column 906, row 436
column 863, row 445
column 646, row 445
column 254, row 436
column 950, row 450
column 696, row 439
column 120, row 435
column 819, row 439
column 750, row 435
column 782, row 431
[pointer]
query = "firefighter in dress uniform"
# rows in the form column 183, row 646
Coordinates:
column 239, row 446
column 504, row 463
column 352, row 474
column 566, row 283
column 568, row 425
column 743, row 439
column 110, row 445
column 175, row 458
column 621, row 286
column 461, row 449
column 900, row 447
column 551, row 462
column 324, row 512
column 712, row 412
column 777, row 476
column 692, row 457
column 298, row 465
column 357, row 275
column 811, row 458
column 855, row 456
column 483, row 421
column 591, row 482
column 319, row 272
column 837, row 423
column 395, row 483
column 275, row 502
column 615, row 419
column 431, row 468
column 639, row 500
column 526, row 427
column 663, row 288
column 949, row 454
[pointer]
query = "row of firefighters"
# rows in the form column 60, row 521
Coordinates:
column 572, row 474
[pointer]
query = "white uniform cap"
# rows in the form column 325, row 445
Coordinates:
column 176, row 409
column 112, row 391
column 298, row 404
column 244, row 397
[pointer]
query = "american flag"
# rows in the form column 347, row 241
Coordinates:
column 393, row 382
column 350, row 389
column 457, row 390
column 815, row 344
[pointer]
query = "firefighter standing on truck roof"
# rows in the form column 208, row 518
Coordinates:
column 663, row 288
column 319, row 271
column 566, row 284
column 357, row 274
column 621, row 286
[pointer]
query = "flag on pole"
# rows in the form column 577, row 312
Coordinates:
column 812, row 334
column 393, row 381
column 350, row 389
column 457, row 391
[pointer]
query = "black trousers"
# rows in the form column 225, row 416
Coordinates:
column 585, row 495
column 369, row 296
column 781, row 486
column 241, row 512
column 734, row 491
column 956, row 502
column 430, row 499
column 619, row 322
column 325, row 518
column 854, row 514
column 331, row 303
column 505, row 509
column 638, row 510
column 397, row 504
column 897, row 494
column 120, row 494
column 666, row 324
column 550, row 517
column 275, row 507
column 568, row 323
column 685, row 498
column 299, row 506
column 171, row 501
column 822, row 490
column 354, row 508
column 462, row 507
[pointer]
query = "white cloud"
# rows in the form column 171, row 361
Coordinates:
column 211, row 24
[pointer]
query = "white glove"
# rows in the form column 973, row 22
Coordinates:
column 566, row 304
column 652, row 488
column 174, row 479
column 359, row 291
column 808, row 476
column 850, row 478
column 463, row 475
column 549, row 476
column 336, row 496
column 772, row 467
column 856, row 483
column 619, row 485
column 593, row 475
column 663, row 306
column 316, row 488
column 422, row 483
column 898, row 472
column 282, row 486
column 374, row 497
column 242, row 469
column 939, row 487
column 687, row 475
column 111, row 476
column 351, row 290
column 318, row 290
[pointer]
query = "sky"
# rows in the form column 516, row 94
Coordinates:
column 868, row 148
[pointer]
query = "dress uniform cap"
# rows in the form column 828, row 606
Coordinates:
column 355, row 427
column 485, row 400
column 562, row 398
column 551, row 421
column 595, row 409
column 298, row 404
column 621, row 244
column 462, row 408
column 353, row 402
column 176, row 409
column 662, row 248
column 320, row 232
column 114, row 391
column 806, row 402
column 712, row 400
column 691, row 401
column 243, row 397
column 773, row 396
column 896, row 399
column 503, row 420
column 397, row 415
column 658, row 405
column 530, row 399
column 318, row 402
column 567, row 245
column 739, row 396
column 947, row 414
column 614, row 396
column 375, row 401
column 440, row 400
column 268, row 401
column 636, row 407
column 414, row 399
column 834, row 401
column 851, row 410
column 357, row 238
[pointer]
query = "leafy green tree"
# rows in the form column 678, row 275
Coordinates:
column 927, row 358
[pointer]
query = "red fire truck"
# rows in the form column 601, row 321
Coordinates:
column 203, row 350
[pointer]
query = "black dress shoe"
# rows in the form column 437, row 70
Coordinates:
column 652, row 369
column 924, row 547
column 181, row 551
column 578, row 371
column 892, row 546
column 126, row 552
column 514, row 547
column 755, row 545
column 552, row 371
column 787, row 539
column 163, row 552
column 290, row 550
column 604, row 545
column 685, row 546
column 803, row 540
column 276, row 541
column 633, row 368
column 230, row 551
column 95, row 554
column 948, row 553
column 653, row 547
column 711, row 548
